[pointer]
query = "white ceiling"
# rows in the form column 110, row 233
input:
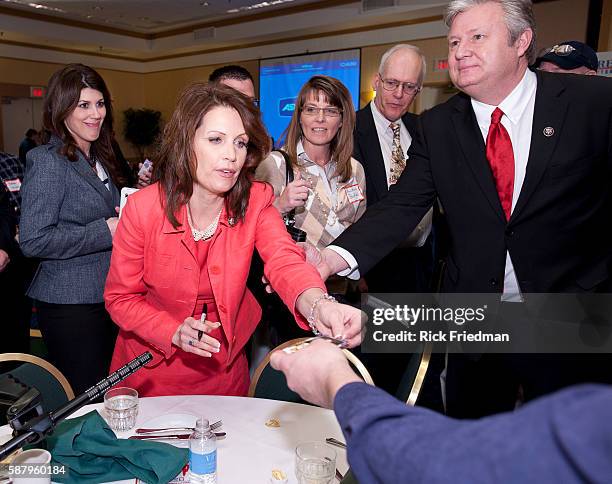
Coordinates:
column 149, row 16
column 144, row 36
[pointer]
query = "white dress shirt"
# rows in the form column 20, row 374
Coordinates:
column 518, row 108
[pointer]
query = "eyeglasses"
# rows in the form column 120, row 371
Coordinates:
column 392, row 85
column 330, row 112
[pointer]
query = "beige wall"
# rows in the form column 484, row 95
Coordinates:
column 161, row 89
column 557, row 20
column 126, row 88
column 561, row 20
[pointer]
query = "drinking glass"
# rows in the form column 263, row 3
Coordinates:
column 121, row 408
column 315, row 463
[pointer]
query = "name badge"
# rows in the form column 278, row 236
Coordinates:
column 354, row 193
column 13, row 185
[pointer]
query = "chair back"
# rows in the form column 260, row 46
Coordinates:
column 349, row 478
column 412, row 380
column 272, row 384
column 40, row 374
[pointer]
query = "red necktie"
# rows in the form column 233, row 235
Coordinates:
column 501, row 160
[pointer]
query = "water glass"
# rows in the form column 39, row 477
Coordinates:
column 315, row 463
column 121, row 408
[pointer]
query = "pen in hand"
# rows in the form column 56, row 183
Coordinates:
column 202, row 319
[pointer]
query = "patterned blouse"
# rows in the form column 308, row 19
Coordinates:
column 331, row 207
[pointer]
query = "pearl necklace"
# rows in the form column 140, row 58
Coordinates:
column 205, row 234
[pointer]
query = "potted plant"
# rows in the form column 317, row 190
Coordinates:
column 141, row 128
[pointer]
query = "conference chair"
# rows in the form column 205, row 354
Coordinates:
column 32, row 371
column 412, row 380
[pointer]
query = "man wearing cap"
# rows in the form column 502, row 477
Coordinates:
column 571, row 57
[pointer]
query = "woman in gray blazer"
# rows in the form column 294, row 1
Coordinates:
column 69, row 216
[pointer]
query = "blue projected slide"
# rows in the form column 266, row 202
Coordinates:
column 280, row 81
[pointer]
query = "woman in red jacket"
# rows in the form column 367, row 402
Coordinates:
column 183, row 247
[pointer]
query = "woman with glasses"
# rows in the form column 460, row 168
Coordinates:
column 328, row 188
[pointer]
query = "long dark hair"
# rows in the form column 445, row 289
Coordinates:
column 63, row 94
column 176, row 164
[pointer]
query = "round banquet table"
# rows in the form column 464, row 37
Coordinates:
column 251, row 449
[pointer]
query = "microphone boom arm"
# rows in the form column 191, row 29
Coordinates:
column 38, row 428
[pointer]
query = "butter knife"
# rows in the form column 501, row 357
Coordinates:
column 169, row 437
column 336, row 442
column 213, row 426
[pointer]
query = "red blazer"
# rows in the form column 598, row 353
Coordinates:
column 153, row 282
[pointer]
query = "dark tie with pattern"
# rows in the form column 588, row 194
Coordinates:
column 501, row 160
column 398, row 161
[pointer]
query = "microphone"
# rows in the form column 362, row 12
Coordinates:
column 37, row 428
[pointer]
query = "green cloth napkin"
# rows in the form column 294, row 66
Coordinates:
column 92, row 453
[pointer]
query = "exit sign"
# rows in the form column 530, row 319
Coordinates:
column 440, row 65
column 36, row 91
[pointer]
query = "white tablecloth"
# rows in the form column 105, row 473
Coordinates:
column 251, row 449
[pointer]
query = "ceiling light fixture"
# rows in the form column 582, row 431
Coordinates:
column 37, row 6
column 259, row 5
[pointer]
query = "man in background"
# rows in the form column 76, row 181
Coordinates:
column 26, row 145
column 236, row 77
column 571, row 57
column 383, row 134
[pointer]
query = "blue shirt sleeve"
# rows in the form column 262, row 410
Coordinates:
column 565, row 437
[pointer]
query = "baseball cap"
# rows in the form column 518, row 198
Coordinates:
column 569, row 55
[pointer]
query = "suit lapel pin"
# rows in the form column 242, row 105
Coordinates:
column 549, row 131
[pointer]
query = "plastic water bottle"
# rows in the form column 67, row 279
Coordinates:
column 203, row 454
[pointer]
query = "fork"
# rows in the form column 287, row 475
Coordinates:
column 213, row 426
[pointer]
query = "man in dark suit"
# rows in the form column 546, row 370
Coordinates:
column 383, row 134
column 521, row 163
